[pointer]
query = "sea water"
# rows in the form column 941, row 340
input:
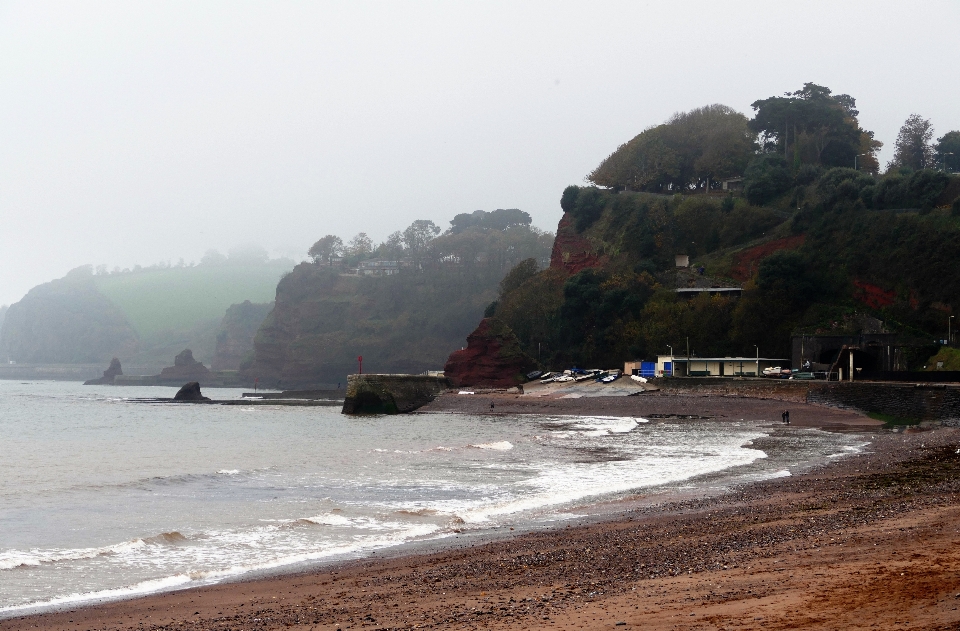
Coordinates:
column 102, row 496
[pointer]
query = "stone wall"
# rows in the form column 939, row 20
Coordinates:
column 780, row 389
column 920, row 402
column 390, row 394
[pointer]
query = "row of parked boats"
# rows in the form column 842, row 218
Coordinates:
column 580, row 374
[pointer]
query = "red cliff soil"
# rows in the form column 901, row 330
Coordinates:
column 571, row 252
column 492, row 358
column 745, row 263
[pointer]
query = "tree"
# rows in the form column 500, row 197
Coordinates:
column 687, row 152
column 521, row 273
column 360, row 246
column 326, row 248
column 392, row 248
column 948, row 151
column 418, row 236
column 913, row 148
column 811, row 125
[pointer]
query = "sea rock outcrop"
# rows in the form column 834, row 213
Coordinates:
column 492, row 358
column 185, row 368
column 190, row 392
column 107, row 379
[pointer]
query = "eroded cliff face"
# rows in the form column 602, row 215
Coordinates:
column 322, row 321
column 572, row 252
column 492, row 358
column 236, row 333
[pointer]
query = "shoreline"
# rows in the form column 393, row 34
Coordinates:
column 470, row 573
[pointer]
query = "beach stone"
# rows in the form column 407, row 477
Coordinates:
column 492, row 358
column 190, row 392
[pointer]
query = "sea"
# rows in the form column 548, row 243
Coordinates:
column 103, row 496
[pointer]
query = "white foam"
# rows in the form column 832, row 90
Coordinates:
column 329, row 520
column 228, row 471
column 503, row 445
column 12, row 559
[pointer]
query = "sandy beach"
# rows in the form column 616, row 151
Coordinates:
column 868, row 541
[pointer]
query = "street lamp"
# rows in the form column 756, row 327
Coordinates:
column 671, row 359
column 855, row 160
column 949, row 329
column 757, row 348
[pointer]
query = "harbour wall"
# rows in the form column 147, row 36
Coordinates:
column 390, row 394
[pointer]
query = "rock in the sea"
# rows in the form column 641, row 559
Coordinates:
column 190, row 392
column 492, row 358
column 185, row 368
column 112, row 371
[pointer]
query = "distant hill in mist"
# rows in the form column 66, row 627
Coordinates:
column 143, row 317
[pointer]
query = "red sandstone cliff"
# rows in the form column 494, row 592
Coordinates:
column 571, row 251
column 492, row 358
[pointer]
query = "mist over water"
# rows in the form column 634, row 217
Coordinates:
column 103, row 497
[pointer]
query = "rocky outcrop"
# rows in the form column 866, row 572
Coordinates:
column 185, row 368
column 190, row 392
column 492, row 358
column 108, row 375
column 390, row 394
column 572, row 252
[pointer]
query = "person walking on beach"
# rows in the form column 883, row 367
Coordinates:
column 786, row 416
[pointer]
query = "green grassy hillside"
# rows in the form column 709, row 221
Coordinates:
column 160, row 301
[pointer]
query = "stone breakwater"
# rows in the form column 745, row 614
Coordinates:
column 390, row 394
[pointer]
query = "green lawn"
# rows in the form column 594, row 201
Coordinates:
column 177, row 299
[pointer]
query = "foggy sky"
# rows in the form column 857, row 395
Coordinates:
column 137, row 133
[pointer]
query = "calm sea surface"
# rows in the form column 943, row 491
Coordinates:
column 102, row 497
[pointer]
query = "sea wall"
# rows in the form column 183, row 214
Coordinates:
column 919, row 402
column 780, row 389
column 390, row 394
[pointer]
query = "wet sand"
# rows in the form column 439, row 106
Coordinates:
column 869, row 541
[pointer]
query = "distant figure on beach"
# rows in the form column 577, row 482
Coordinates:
column 520, row 388
column 491, row 405
column 786, row 416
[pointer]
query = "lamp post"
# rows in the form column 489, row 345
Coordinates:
column 671, row 359
column 949, row 330
column 757, row 348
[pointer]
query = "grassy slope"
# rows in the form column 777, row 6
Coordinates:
column 178, row 299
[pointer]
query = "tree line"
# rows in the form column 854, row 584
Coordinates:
column 494, row 240
column 811, row 127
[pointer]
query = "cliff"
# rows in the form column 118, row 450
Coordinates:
column 66, row 321
column 322, row 321
column 235, row 336
column 492, row 358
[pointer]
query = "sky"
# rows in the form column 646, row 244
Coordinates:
column 135, row 133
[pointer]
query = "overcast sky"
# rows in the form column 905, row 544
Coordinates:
column 132, row 133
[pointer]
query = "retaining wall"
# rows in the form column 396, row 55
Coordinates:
column 921, row 402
